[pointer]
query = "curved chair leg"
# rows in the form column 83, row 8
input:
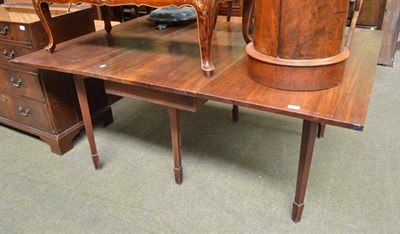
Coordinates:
column 246, row 19
column 43, row 11
column 105, row 15
column 205, row 26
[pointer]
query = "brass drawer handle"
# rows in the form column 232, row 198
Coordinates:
column 24, row 112
column 4, row 30
column 10, row 55
column 16, row 82
column 4, row 98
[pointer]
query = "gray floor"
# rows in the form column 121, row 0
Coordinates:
column 237, row 177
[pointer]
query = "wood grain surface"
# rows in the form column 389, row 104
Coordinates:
column 136, row 54
column 345, row 105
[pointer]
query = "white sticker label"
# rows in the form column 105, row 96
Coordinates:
column 293, row 107
column 103, row 65
column 22, row 27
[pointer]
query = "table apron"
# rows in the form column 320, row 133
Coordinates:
column 173, row 100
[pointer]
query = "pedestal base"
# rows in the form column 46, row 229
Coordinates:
column 296, row 75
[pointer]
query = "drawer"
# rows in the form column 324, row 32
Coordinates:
column 15, row 31
column 22, row 110
column 9, row 52
column 21, row 82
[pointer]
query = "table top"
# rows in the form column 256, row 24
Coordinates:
column 345, row 105
column 137, row 54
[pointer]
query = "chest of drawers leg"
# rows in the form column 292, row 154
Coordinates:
column 43, row 103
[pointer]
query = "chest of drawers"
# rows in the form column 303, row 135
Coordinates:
column 43, row 103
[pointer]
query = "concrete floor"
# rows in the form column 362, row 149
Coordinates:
column 237, row 177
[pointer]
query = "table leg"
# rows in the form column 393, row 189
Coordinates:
column 321, row 130
column 235, row 113
column 176, row 143
column 87, row 120
column 306, row 152
column 205, row 26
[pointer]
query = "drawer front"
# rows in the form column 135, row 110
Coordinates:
column 14, row 31
column 22, row 110
column 23, row 83
column 9, row 52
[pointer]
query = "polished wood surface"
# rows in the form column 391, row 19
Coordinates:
column 137, row 54
column 304, row 37
column 292, row 29
column 173, row 100
column 345, row 105
column 206, row 15
column 372, row 13
column 267, row 21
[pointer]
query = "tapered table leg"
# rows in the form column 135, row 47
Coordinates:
column 306, row 152
column 176, row 143
column 321, row 130
column 235, row 113
column 87, row 120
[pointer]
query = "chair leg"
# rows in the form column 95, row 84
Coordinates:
column 235, row 113
column 176, row 143
column 229, row 11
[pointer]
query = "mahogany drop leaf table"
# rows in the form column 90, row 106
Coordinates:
column 139, row 62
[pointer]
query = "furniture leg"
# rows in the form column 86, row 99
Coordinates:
column 136, row 8
column 87, row 120
column 60, row 145
column 321, row 130
column 205, row 21
column 176, row 143
column 306, row 151
column 43, row 11
column 105, row 15
column 107, row 118
column 246, row 19
column 229, row 11
column 235, row 113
